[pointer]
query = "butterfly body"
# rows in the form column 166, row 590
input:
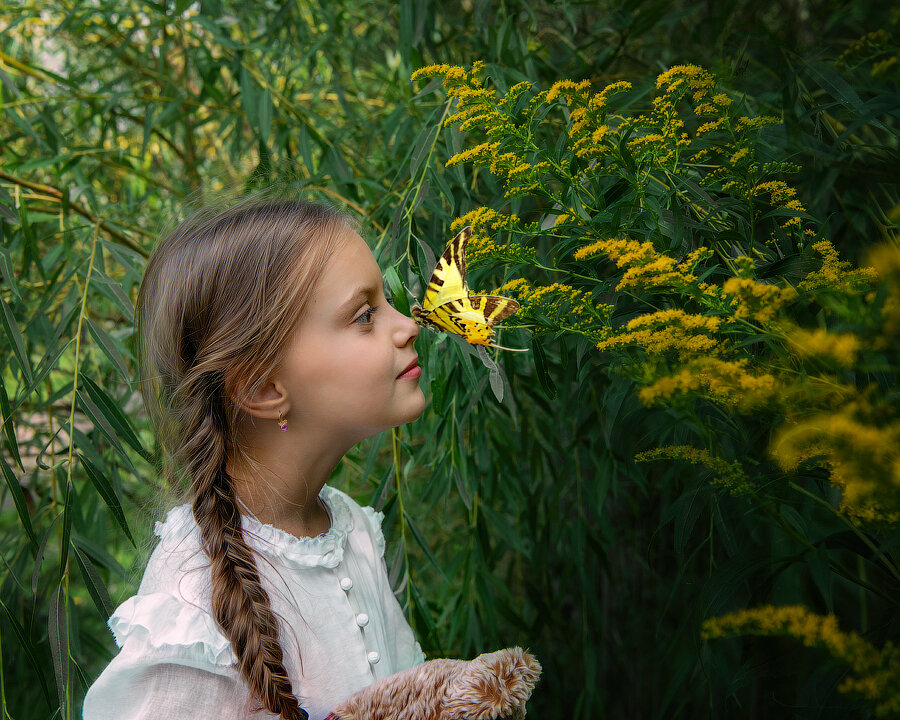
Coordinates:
column 448, row 306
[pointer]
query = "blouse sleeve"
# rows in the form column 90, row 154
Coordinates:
column 129, row 690
column 174, row 663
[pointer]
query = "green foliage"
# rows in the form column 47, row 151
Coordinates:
column 525, row 520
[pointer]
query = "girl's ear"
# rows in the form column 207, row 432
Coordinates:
column 266, row 402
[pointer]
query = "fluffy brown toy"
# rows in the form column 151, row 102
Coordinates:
column 493, row 685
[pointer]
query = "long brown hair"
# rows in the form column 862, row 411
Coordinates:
column 221, row 297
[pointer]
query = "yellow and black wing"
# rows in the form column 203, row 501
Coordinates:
column 449, row 306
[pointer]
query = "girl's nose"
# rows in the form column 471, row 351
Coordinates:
column 406, row 329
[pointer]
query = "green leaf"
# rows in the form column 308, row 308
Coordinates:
column 105, row 489
column 95, row 415
column 22, row 637
column 58, row 636
column 420, row 539
column 500, row 525
column 98, row 592
column 540, row 367
column 398, row 294
column 9, row 428
column 15, row 339
column 45, row 367
column 265, row 115
column 115, row 416
column 7, row 274
column 109, row 348
column 12, row 484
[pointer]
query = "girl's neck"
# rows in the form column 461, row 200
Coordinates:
column 280, row 486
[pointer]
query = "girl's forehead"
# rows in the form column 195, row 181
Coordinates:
column 351, row 267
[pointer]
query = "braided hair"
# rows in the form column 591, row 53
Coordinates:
column 220, row 300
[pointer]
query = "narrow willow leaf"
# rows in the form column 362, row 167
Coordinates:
column 438, row 394
column 540, row 367
column 39, row 558
column 115, row 416
column 265, row 115
column 45, row 367
column 500, row 524
column 105, row 488
column 9, row 428
column 15, row 339
column 496, row 381
column 26, row 645
column 421, row 606
column 109, row 348
column 100, row 556
column 12, row 483
column 94, row 583
column 398, row 294
column 420, row 538
column 96, row 416
column 430, row 259
column 66, row 531
column 58, row 635
column 6, row 265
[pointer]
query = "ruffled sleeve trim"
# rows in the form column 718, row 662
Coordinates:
column 375, row 518
column 164, row 624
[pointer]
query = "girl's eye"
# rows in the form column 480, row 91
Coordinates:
column 366, row 317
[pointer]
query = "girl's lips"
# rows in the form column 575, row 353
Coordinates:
column 412, row 371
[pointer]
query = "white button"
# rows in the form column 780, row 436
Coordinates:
column 346, row 583
column 362, row 619
column 373, row 657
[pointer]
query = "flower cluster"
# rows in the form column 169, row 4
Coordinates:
column 507, row 153
column 859, row 444
column 647, row 269
column 557, row 307
column 840, row 348
column 732, row 383
column 877, row 48
column 726, row 475
column 482, row 246
column 875, row 673
column 837, row 274
column 666, row 331
column 757, row 300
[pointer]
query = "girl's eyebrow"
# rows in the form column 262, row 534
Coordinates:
column 359, row 295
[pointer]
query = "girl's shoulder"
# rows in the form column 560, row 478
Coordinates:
column 169, row 619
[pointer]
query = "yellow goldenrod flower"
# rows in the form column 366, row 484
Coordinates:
column 566, row 88
column 836, row 274
column 757, row 300
column 875, row 673
column 727, row 382
column 842, row 348
column 729, row 476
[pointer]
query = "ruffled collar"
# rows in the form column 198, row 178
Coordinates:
column 326, row 550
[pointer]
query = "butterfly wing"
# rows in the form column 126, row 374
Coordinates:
column 448, row 281
column 449, row 306
column 473, row 317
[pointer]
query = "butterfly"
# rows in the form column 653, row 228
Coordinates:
column 448, row 306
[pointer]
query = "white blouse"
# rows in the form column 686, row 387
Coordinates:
column 341, row 628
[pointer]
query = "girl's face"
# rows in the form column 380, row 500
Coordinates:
column 351, row 370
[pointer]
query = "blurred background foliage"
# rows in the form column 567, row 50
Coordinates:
column 516, row 511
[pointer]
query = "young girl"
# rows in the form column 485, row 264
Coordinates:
column 268, row 351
